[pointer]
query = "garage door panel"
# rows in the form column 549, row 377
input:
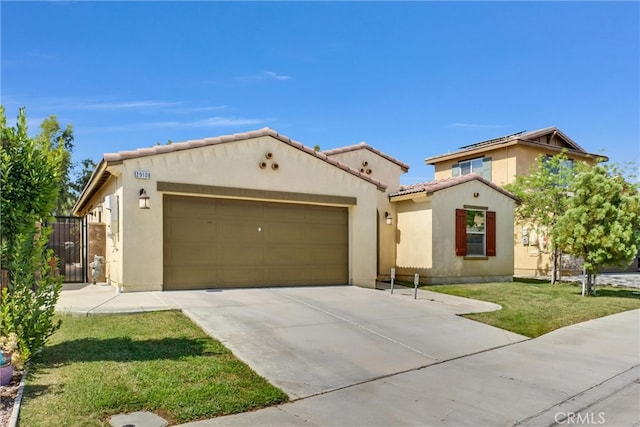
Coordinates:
column 240, row 255
column 284, row 212
column 190, row 207
column 193, row 231
column 240, row 209
column 212, row 242
column 327, row 233
column 327, row 255
column 325, row 215
column 241, row 276
column 288, row 255
column 185, row 277
column 194, row 255
column 234, row 231
column 286, row 232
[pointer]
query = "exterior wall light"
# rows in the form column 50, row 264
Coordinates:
column 388, row 218
column 143, row 200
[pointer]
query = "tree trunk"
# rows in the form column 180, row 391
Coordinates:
column 554, row 263
column 559, row 265
column 590, row 284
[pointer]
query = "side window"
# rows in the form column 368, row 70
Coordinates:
column 475, row 232
column 480, row 165
column 475, row 228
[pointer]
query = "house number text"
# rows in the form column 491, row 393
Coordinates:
column 140, row 174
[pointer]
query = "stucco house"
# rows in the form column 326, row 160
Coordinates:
column 500, row 160
column 259, row 209
column 455, row 230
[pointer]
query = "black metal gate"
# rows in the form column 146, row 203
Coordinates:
column 69, row 243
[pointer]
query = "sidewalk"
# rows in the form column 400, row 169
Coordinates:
column 587, row 372
column 90, row 300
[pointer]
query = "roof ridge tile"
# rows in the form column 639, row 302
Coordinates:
column 431, row 187
column 196, row 143
column 363, row 145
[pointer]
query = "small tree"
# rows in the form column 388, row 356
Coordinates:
column 602, row 222
column 30, row 177
column 56, row 138
column 543, row 193
column 83, row 177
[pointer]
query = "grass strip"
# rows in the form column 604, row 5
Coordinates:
column 533, row 308
column 95, row 367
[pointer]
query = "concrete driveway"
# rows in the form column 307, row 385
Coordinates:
column 317, row 339
column 352, row 356
column 312, row 340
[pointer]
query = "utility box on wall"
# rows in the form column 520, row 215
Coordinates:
column 111, row 204
column 97, row 246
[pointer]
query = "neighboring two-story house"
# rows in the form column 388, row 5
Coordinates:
column 500, row 160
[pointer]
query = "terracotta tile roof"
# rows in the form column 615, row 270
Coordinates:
column 179, row 146
column 433, row 186
column 100, row 174
column 365, row 146
column 523, row 137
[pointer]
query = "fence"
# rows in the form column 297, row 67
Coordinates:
column 68, row 241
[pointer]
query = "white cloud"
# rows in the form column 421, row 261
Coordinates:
column 274, row 76
column 264, row 76
column 211, row 122
column 217, row 121
column 185, row 110
column 127, row 105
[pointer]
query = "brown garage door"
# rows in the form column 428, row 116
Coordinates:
column 213, row 243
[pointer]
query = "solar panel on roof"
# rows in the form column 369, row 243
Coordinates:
column 491, row 141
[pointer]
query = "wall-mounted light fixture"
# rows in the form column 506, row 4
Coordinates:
column 143, row 200
column 476, row 194
column 388, row 218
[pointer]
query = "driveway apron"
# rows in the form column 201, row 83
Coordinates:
column 312, row 340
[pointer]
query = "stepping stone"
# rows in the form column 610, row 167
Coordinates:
column 138, row 419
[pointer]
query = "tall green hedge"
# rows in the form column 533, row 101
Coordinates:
column 29, row 186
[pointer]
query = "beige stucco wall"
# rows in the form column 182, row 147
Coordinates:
column 503, row 165
column 380, row 168
column 389, row 174
column 507, row 163
column 426, row 242
column 113, row 243
column 236, row 164
column 414, row 238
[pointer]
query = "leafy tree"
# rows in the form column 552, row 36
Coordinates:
column 543, row 193
column 30, row 177
column 602, row 222
column 83, row 177
column 53, row 136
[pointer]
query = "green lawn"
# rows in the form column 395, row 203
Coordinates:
column 535, row 308
column 94, row 367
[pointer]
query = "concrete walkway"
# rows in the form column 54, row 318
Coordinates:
column 351, row 356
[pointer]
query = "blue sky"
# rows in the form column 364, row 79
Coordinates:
column 412, row 79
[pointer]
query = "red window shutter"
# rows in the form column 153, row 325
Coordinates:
column 461, row 232
column 491, row 233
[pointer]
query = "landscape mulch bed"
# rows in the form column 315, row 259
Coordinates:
column 8, row 394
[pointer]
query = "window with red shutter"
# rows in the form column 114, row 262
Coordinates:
column 491, row 233
column 461, row 232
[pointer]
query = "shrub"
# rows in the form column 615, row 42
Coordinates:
column 29, row 182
